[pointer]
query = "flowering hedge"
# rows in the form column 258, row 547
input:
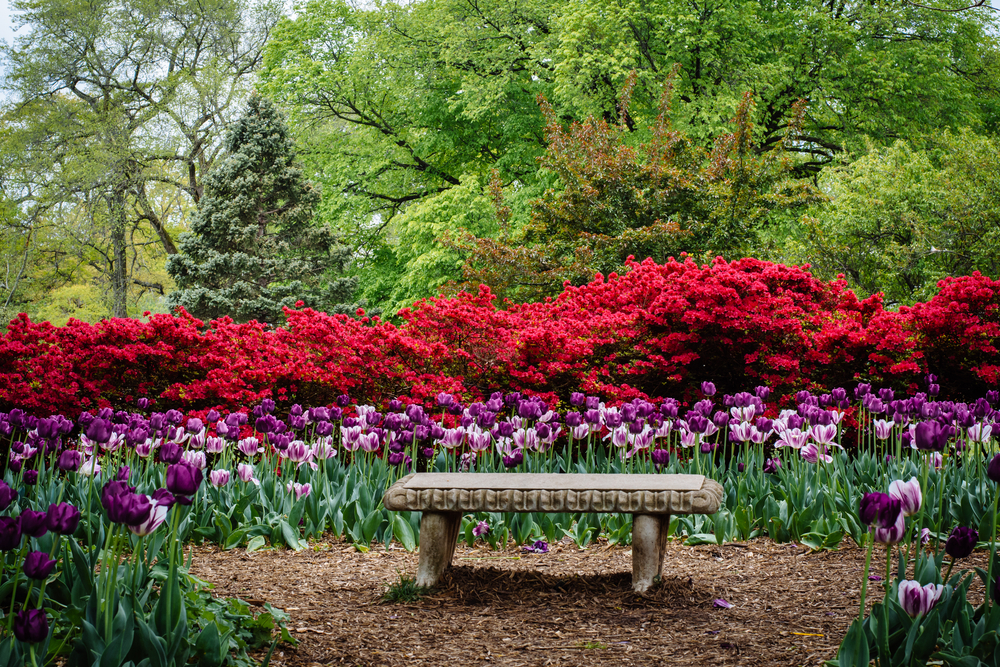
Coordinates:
column 657, row 329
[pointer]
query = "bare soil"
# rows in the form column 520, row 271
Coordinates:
column 565, row 607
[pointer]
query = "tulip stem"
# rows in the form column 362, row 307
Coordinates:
column 864, row 578
column 993, row 550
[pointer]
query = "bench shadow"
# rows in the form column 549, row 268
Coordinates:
column 492, row 585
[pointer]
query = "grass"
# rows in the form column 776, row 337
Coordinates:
column 404, row 589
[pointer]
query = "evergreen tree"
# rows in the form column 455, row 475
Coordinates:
column 252, row 248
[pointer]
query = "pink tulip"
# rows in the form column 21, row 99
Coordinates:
column 908, row 494
column 195, row 458
column 324, row 449
column 917, row 600
column 792, row 437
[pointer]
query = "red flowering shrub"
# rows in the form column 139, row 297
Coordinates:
column 960, row 332
column 656, row 330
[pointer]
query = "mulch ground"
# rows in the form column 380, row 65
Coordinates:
column 565, row 607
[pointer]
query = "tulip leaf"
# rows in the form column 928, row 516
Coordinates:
column 291, row 535
column 402, row 531
column 854, row 649
column 255, row 543
column 235, row 539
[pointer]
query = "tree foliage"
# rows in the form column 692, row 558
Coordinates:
column 110, row 102
column 666, row 196
column 900, row 218
column 252, row 250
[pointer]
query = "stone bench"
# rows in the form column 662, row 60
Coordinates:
column 651, row 499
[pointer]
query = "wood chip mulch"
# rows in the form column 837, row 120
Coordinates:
column 565, row 607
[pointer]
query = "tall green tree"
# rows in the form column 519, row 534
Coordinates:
column 900, row 218
column 398, row 102
column 111, row 100
column 252, row 248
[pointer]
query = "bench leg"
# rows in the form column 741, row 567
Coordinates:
column 438, row 535
column 649, row 541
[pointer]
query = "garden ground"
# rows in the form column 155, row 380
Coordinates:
column 565, row 607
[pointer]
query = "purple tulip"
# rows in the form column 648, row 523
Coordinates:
column 660, row 457
column 98, row 431
column 10, row 533
column 30, row 477
column 31, row 626
column 992, row 469
column 961, row 542
column 164, row 498
column 697, row 423
column 33, row 523
column 170, row 452
column 38, row 565
column 771, row 466
column 880, row 508
column 8, row 495
column 481, row 529
column 183, row 480
column 708, row 388
column 577, row 399
column 62, row 519
column 917, row 600
column 929, row 435
column 908, row 494
column 157, row 515
column 130, row 509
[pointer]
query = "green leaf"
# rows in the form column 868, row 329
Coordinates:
column 255, row 543
column 403, row 532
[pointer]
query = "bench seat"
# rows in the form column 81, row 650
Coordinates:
column 652, row 499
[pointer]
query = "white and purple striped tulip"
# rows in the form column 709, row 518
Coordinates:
column 245, row 472
column 908, row 494
column 249, row 446
column 195, row 458
column 300, row 490
column 219, row 477
column 917, row 600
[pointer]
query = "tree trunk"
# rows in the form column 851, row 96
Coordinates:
column 119, row 268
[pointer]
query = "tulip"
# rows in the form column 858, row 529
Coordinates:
column 300, row 490
column 70, row 460
column 33, row 523
column 128, row 508
column 961, row 542
column 929, row 435
column 195, row 459
column 883, row 429
column 771, row 466
column 183, row 480
column 31, row 626
column 812, row 454
column 892, row 534
column 7, row 495
column 214, row 445
column 481, row 529
column 245, row 473
column 10, row 533
column 163, row 498
column 879, row 508
column 38, row 565
column 157, row 515
column 170, row 453
column 62, row 519
column 30, row 477
column 660, row 457
column 249, row 446
column 708, row 388
column 908, row 494
column 218, row 478
column 824, row 434
column 993, row 468
column 917, row 600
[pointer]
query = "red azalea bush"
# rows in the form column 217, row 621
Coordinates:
column 656, row 330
